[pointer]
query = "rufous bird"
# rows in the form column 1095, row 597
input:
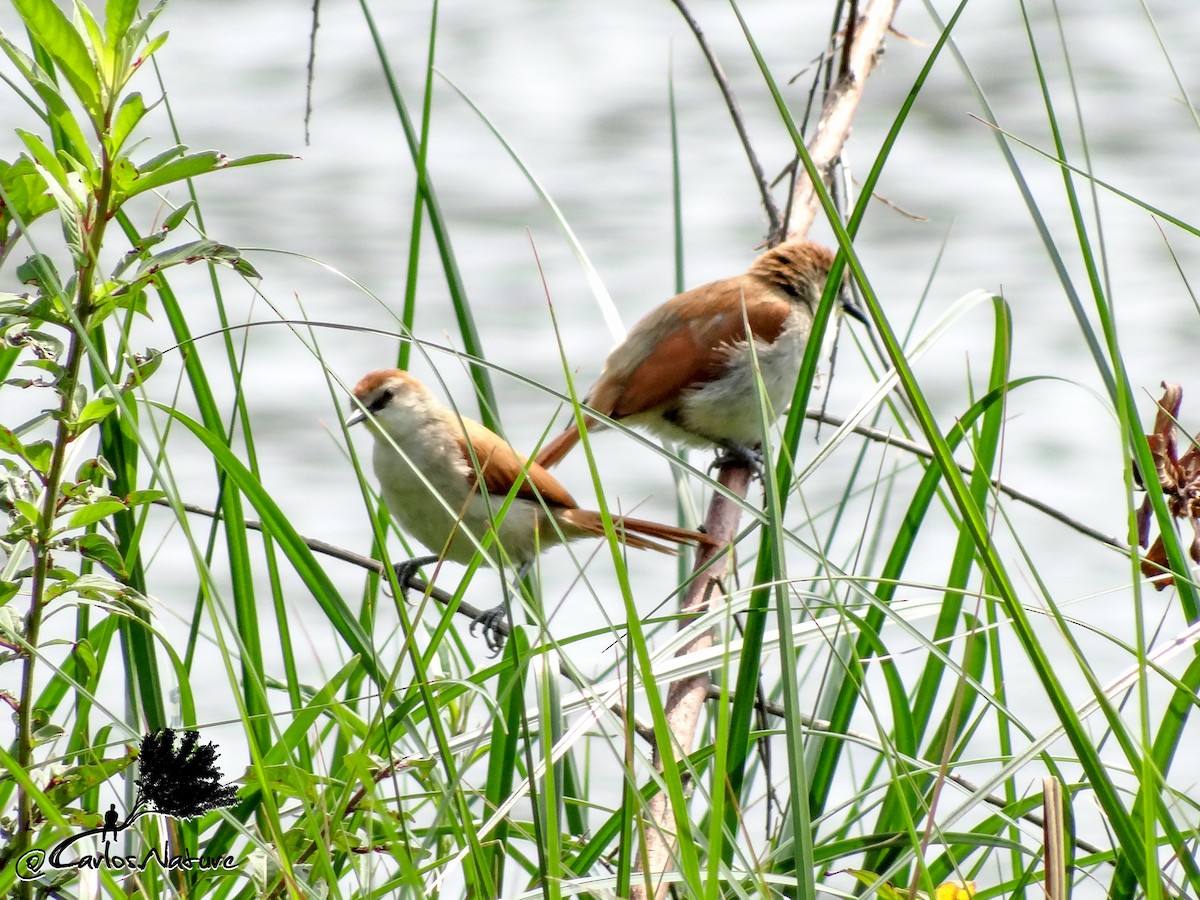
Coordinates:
column 445, row 478
column 686, row 372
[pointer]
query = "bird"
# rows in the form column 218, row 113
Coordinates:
column 445, row 478
column 685, row 372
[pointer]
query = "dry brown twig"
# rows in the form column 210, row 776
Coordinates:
column 825, row 148
column 686, row 698
column 768, row 201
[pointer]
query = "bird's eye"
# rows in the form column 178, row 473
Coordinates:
column 384, row 398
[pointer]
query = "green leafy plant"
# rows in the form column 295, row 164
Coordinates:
column 71, row 532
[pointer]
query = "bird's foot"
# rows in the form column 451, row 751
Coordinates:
column 493, row 627
column 407, row 569
column 751, row 457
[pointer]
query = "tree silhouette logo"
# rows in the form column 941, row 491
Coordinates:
column 179, row 780
column 178, row 777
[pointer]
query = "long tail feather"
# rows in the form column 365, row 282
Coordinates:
column 637, row 532
column 552, row 453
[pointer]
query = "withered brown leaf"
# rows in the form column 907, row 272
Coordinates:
column 1178, row 478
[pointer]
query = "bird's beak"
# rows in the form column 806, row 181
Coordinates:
column 850, row 308
column 359, row 415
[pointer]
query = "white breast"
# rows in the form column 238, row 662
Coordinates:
column 427, row 489
column 728, row 408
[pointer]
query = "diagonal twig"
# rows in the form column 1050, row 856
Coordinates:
column 774, row 219
column 416, row 582
column 825, row 148
column 916, row 449
column 686, row 698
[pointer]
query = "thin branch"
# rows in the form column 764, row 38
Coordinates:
column 845, row 71
column 884, row 437
column 311, row 69
column 774, row 219
column 416, row 582
column 686, row 698
column 840, row 104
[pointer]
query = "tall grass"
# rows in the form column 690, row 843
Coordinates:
column 872, row 729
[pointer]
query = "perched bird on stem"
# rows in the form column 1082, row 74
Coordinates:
column 686, row 371
column 445, row 479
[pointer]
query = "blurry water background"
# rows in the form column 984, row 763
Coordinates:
column 581, row 92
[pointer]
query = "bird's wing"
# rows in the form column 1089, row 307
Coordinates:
column 685, row 343
column 501, row 466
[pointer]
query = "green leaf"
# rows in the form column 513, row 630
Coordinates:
column 14, row 304
column 136, row 32
column 79, row 399
column 124, row 175
column 161, row 159
column 38, row 455
column 90, row 26
column 78, row 780
column 72, row 144
column 85, row 658
column 189, row 166
column 93, row 412
column 144, row 365
column 129, row 113
column 94, row 512
column 59, row 38
column 141, row 248
column 39, row 270
column 26, row 195
column 153, row 44
column 99, row 548
column 43, row 156
column 242, row 267
column 135, row 301
column 175, row 219
column 94, row 471
column 25, row 64
column 101, row 51
column 193, row 165
column 47, row 733
column 195, row 251
column 45, row 345
column 256, row 158
column 131, row 296
column 114, row 295
column 70, row 212
column 118, row 16
column 10, row 443
column 28, row 511
column 97, row 586
column 46, row 365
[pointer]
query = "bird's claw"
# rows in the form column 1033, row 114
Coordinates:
column 493, row 626
column 407, row 569
column 751, row 457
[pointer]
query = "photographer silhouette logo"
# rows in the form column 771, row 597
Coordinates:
column 177, row 778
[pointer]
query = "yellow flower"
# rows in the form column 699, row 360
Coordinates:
column 955, row 890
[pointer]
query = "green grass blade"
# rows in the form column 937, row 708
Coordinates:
column 293, row 548
column 472, row 342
